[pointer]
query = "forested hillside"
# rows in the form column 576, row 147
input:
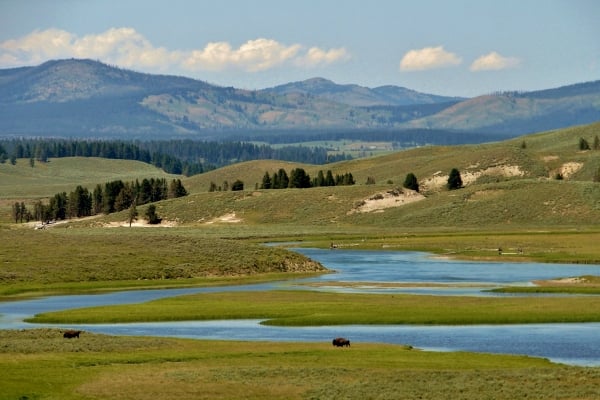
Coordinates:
column 85, row 98
column 185, row 157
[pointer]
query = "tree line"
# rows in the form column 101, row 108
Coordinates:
column 43, row 149
column 219, row 154
column 400, row 137
column 181, row 157
column 298, row 178
column 111, row 197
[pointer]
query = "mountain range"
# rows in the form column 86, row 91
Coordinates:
column 87, row 98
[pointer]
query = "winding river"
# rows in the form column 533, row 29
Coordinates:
column 372, row 272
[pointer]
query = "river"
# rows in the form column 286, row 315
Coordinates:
column 575, row 344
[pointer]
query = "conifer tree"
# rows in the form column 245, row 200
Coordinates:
column 411, row 182
column 454, row 180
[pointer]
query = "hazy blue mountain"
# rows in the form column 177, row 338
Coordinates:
column 361, row 96
column 87, row 98
column 520, row 112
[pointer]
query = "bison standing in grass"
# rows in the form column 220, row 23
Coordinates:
column 341, row 342
column 71, row 334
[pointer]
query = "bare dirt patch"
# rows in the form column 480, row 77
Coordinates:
column 570, row 168
column 226, row 218
column 576, row 281
column 382, row 200
column 141, row 224
column 439, row 180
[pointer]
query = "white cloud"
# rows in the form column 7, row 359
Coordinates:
column 254, row 55
column 127, row 48
column 493, row 62
column 316, row 56
column 428, row 58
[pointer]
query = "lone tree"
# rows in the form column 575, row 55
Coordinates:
column 411, row 182
column 454, row 180
column 132, row 214
column 583, row 144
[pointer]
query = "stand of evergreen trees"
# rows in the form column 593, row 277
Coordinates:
column 111, row 197
column 298, row 178
column 187, row 157
column 43, row 149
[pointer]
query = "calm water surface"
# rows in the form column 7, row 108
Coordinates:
column 577, row 344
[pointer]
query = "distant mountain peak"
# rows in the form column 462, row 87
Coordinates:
column 76, row 97
column 360, row 96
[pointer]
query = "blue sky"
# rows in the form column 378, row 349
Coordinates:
column 460, row 47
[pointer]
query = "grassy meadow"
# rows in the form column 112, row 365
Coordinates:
column 510, row 200
column 309, row 308
column 40, row 364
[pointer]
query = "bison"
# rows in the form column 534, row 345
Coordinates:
column 341, row 342
column 71, row 334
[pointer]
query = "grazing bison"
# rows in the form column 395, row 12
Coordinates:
column 71, row 334
column 341, row 342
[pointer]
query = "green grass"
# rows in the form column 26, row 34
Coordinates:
column 79, row 259
column 309, row 308
column 73, row 260
column 551, row 221
column 40, row 364
column 64, row 174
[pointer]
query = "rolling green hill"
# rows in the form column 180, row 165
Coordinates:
column 506, row 184
column 21, row 181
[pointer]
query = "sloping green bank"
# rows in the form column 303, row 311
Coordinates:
column 308, row 308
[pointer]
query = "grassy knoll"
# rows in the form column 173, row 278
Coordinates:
column 308, row 308
column 64, row 174
column 40, row 364
column 67, row 260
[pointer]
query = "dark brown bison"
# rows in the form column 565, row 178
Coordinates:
column 341, row 342
column 71, row 334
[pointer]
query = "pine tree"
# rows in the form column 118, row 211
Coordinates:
column 283, row 180
column 237, row 185
column 16, row 212
column 267, row 183
column 299, row 179
column 133, row 214
column 583, row 144
column 329, row 181
column 320, row 179
column 411, row 182
column 151, row 215
column 454, row 180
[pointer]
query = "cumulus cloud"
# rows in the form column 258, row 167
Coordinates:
column 428, row 58
column 493, row 62
column 127, row 48
column 254, row 55
column 316, row 56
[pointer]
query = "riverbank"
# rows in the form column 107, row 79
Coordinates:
column 45, row 262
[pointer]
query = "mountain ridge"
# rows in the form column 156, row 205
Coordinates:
column 361, row 96
column 86, row 98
